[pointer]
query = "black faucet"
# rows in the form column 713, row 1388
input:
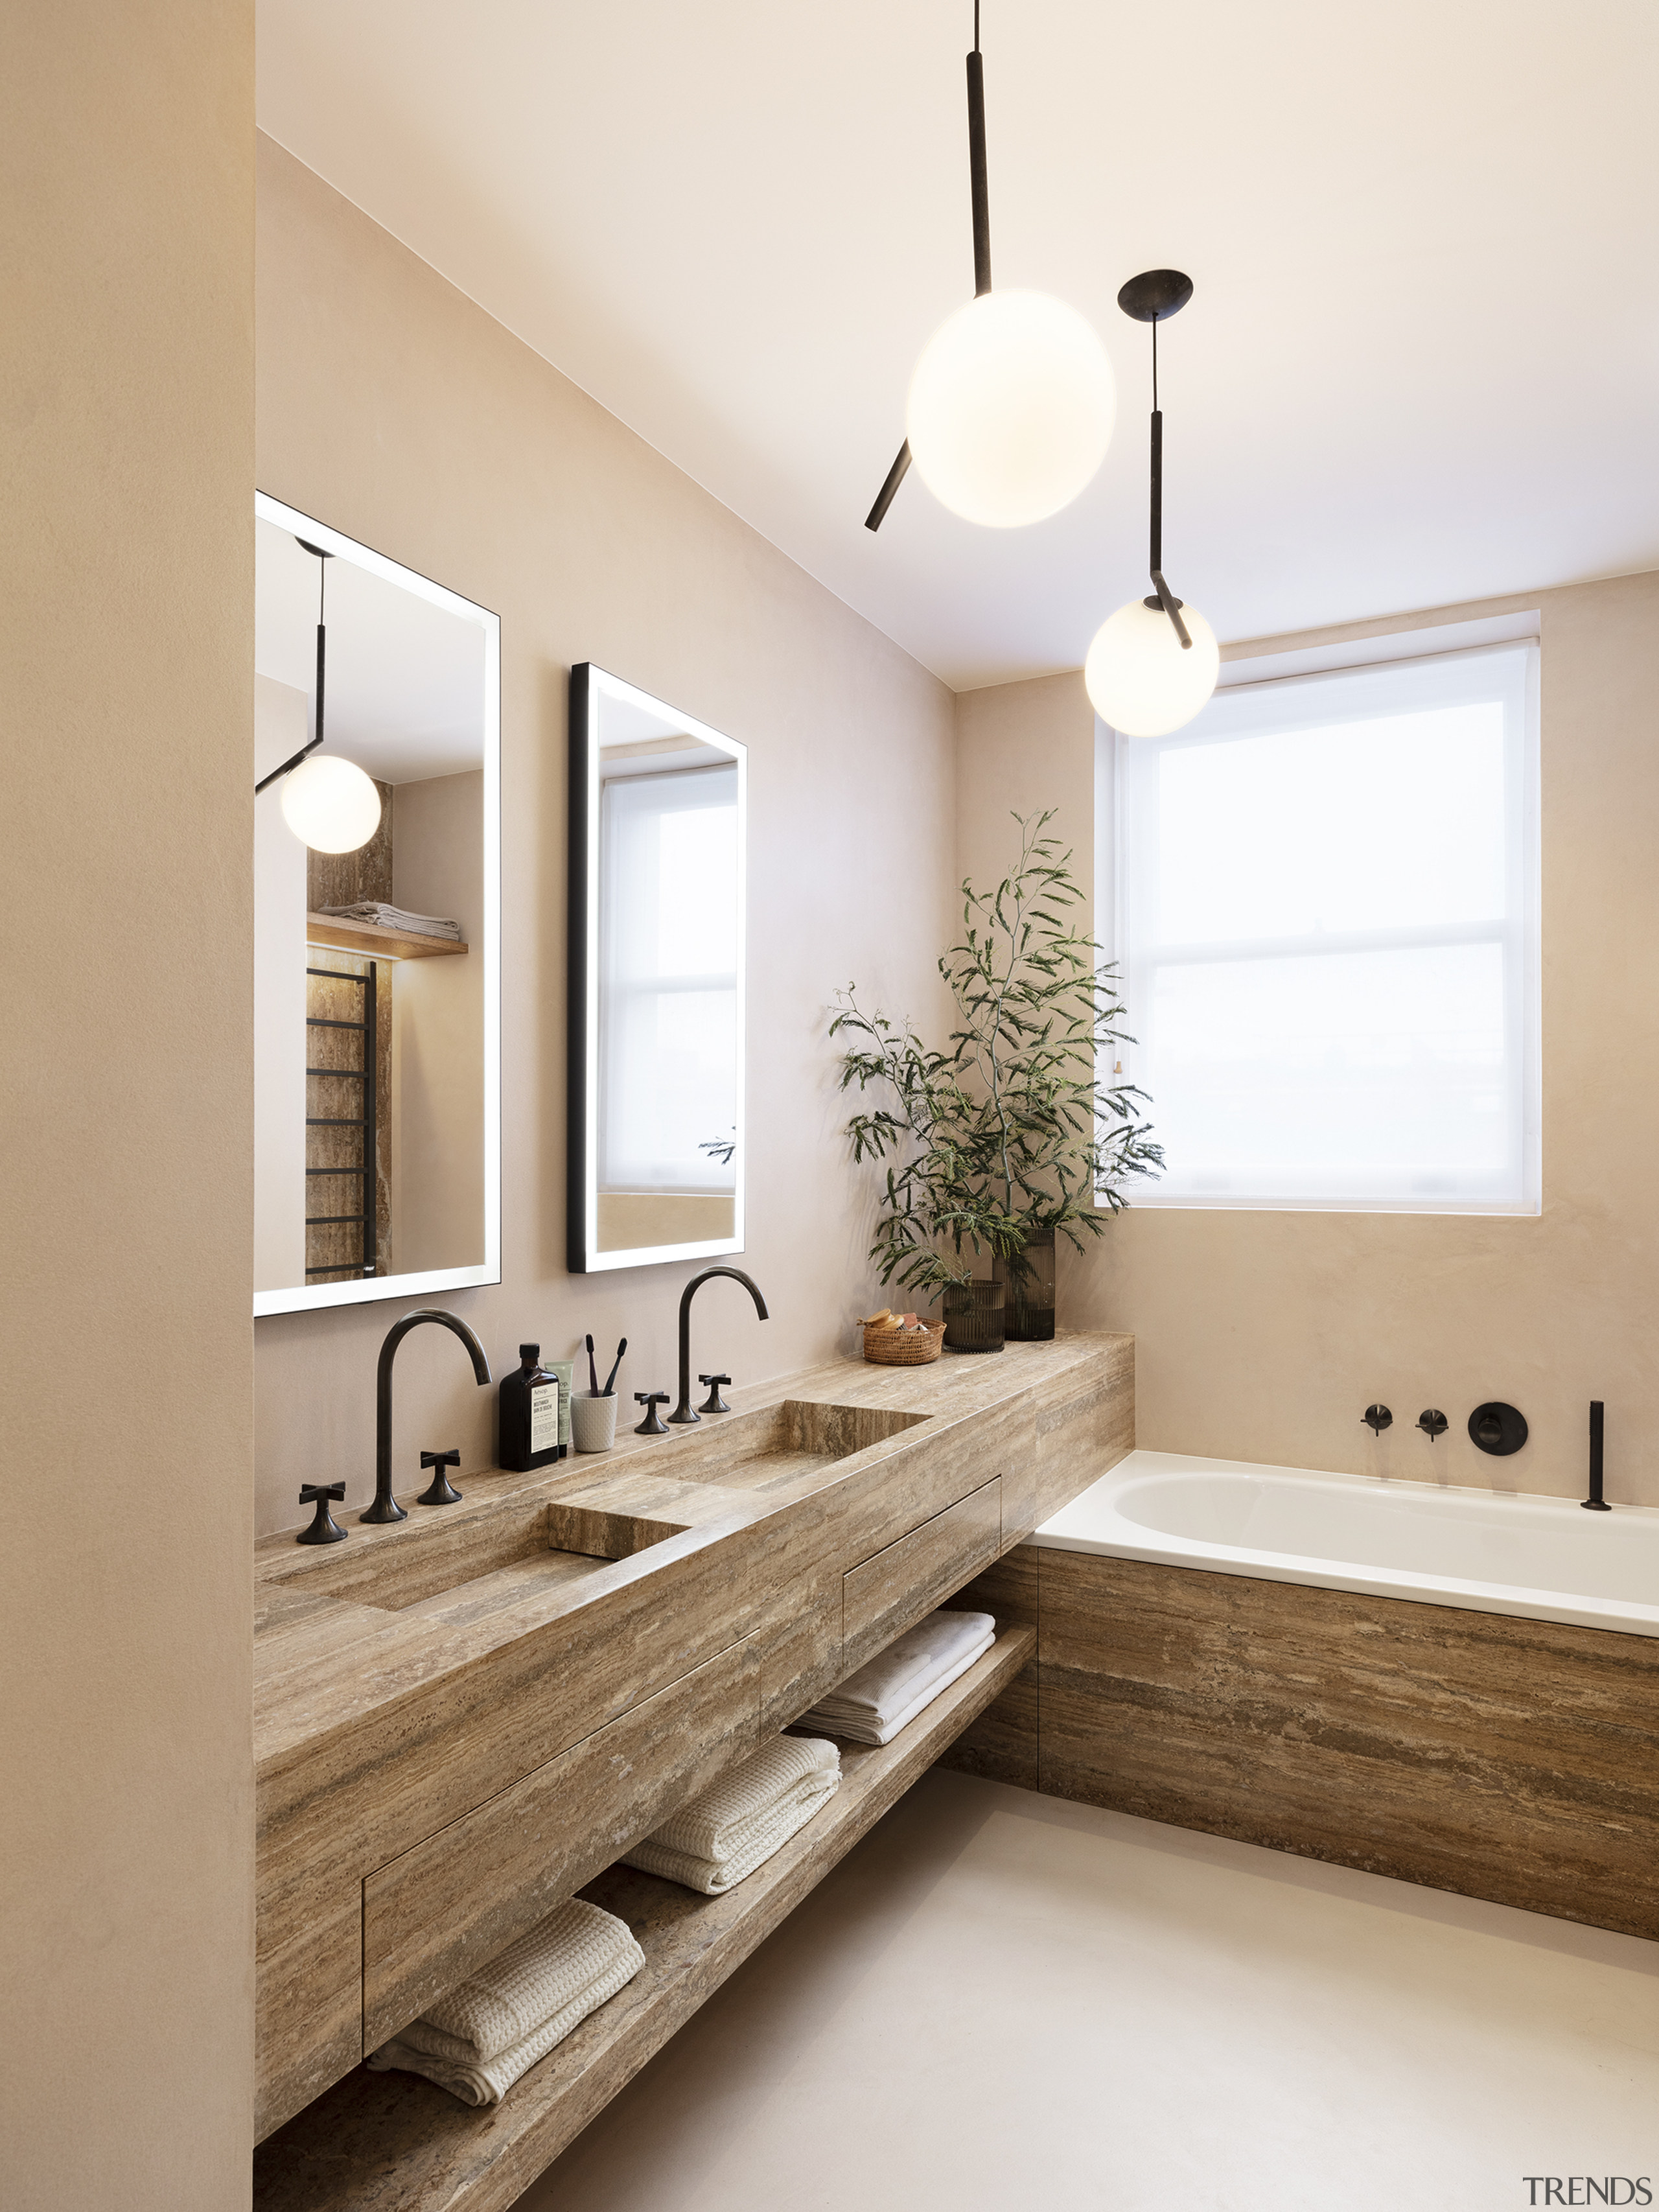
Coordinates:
column 1595, row 1503
column 685, row 1412
column 385, row 1506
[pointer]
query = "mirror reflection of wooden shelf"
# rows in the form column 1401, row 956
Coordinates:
column 342, row 936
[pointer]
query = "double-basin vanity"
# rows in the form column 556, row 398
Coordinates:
column 465, row 1717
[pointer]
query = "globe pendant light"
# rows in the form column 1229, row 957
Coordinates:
column 329, row 804
column 1154, row 663
column 1010, row 405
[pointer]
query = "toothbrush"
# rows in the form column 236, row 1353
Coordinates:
column 593, row 1372
column 610, row 1378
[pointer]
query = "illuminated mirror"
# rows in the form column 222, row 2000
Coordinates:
column 377, row 1064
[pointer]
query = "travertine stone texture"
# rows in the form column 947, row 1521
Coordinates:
column 390, row 2142
column 444, row 1909
column 887, row 1593
column 419, row 1686
column 1001, row 1745
column 1512, row 1760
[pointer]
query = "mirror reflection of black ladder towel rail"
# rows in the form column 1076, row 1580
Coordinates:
column 363, row 1122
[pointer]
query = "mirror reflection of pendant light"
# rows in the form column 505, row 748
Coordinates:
column 1154, row 663
column 1011, row 404
column 328, row 803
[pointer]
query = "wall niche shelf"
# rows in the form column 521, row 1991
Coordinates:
column 392, row 2142
column 368, row 936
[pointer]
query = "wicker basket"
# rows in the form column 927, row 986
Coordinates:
column 903, row 1347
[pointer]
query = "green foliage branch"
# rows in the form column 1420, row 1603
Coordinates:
column 1008, row 1134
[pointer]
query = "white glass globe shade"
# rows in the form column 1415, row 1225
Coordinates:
column 331, row 805
column 1011, row 409
column 1141, row 678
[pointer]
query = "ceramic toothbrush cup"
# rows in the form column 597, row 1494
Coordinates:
column 593, row 1422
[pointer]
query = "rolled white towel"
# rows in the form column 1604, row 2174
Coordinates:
column 744, row 1818
column 886, row 1694
column 478, row 2040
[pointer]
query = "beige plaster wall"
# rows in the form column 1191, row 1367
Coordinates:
column 392, row 407
column 1263, row 1336
column 127, row 636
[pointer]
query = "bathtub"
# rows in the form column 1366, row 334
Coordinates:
column 1540, row 1558
column 1409, row 1681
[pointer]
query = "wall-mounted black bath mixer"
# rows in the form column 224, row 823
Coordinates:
column 1595, row 1503
column 1497, row 1428
column 1433, row 1423
column 1376, row 1419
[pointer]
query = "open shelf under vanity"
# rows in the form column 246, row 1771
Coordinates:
column 392, row 2142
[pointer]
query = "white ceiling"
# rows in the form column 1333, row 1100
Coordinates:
column 1422, row 361
column 404, row 680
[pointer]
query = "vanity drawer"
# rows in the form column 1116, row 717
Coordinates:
column 439, row 1911
column 899, row 1587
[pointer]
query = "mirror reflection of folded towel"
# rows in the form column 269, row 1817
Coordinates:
column 395, row 917
column 477, row 2041
column 886, row 1695
column 744, row 1818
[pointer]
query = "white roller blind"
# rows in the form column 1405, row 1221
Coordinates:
column 1327, row 921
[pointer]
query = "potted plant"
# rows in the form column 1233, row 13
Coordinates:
column 1011, row 1135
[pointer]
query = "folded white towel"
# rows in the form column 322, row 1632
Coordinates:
column 722, row 1837
column 477, row 2041
column 883, row 1696
column 395, row 917
column 884, row 1731
column 487, row 2082
column 714, row 1825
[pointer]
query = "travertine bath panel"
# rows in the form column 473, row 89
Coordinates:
column 1504, row 1757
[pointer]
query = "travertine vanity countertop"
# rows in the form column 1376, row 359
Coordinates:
column 324, row 1662
column 462, row 1717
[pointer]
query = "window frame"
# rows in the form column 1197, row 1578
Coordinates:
column 1446, row 647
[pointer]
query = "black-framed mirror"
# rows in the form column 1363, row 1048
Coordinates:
column 658, row 812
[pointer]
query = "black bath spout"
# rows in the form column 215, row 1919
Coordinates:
column 386, row 1507
column 686, row 1413
column 1595, row 1503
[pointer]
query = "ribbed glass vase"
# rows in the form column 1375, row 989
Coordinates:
column 973, row 1317
column 1029, row 1281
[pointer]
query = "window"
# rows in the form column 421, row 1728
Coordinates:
column 1326, row 905
column 668, row 939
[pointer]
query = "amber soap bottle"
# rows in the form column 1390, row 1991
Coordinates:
column 530, row 1415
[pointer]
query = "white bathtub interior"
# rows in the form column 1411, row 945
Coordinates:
column 1492, row 1551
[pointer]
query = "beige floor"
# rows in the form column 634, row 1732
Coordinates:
column 1001, row 2002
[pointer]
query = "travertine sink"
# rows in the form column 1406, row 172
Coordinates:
column 776, row 1445
column 513, row 1549
column 490, row 1556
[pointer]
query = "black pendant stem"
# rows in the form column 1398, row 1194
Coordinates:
column 976, row 171
column 316, row 739
column 980, row 192
column 1165, row 598
column 895, row 477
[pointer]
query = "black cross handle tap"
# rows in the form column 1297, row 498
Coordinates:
column 652, row 1425
column 440, row 1492
column 324, row 1529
